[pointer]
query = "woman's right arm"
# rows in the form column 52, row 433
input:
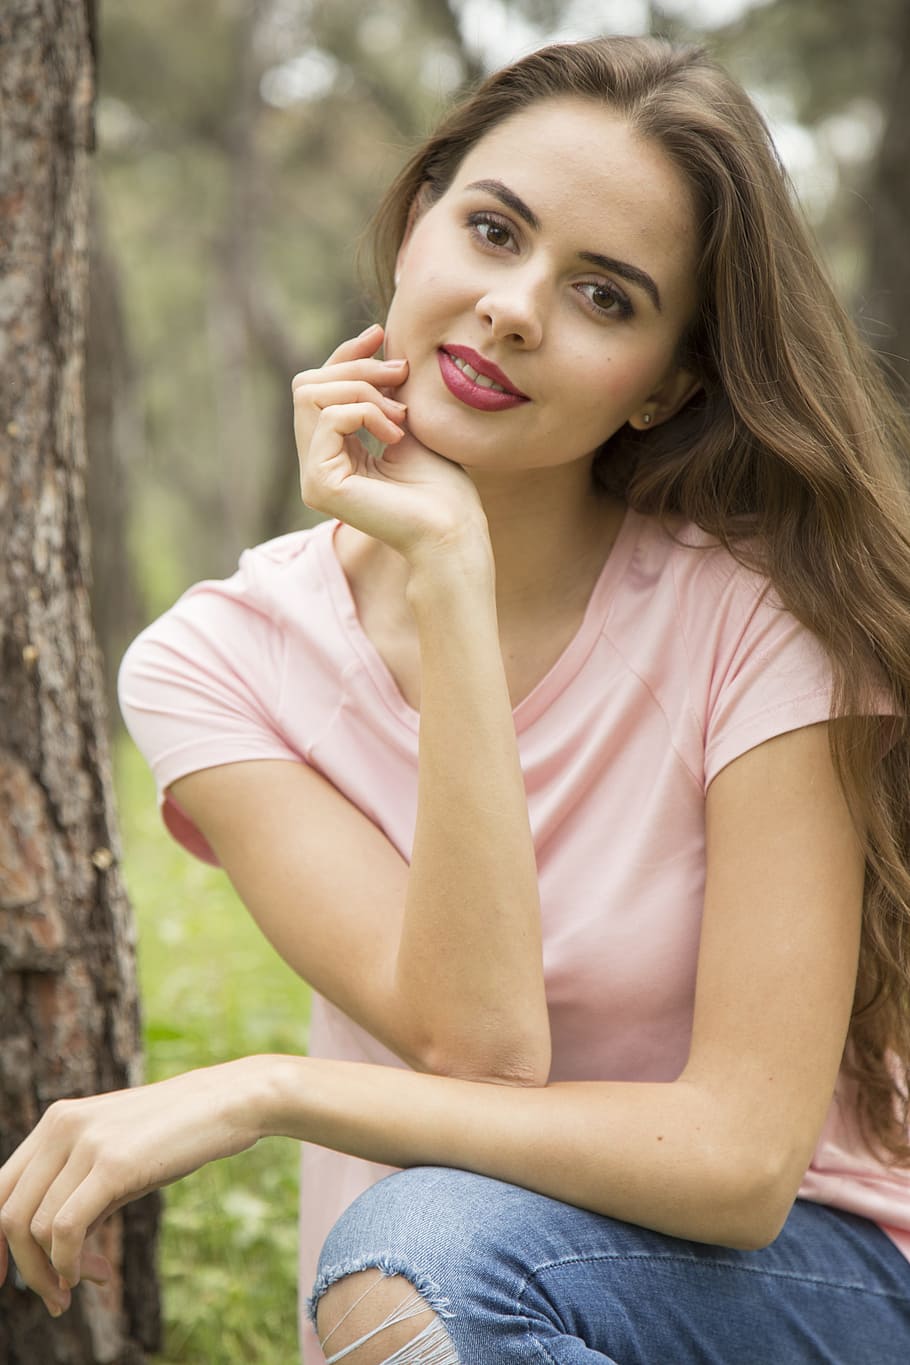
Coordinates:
column 440, row 961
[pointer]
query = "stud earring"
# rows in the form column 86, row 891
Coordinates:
column 646, row 418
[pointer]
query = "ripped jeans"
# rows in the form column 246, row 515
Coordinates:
column 513, row 1277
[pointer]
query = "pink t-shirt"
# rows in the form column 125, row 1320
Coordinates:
column 682, row 663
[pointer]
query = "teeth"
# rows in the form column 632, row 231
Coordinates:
column 472, row 374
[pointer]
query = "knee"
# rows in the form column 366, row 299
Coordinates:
column 377, row 1296
column 417, row 1249
column 372, row 1318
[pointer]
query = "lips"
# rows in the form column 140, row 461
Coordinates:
column 477, row 381
column 483, row 367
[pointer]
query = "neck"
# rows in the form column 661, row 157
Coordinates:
column 549, row 543
column 550, row 536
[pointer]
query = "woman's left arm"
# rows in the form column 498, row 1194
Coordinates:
column 716, row 1155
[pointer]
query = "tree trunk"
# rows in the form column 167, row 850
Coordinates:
column 68, row 1002
column 115, row 440
column 886, row 313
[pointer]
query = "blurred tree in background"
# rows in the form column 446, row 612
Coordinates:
column 243, row 145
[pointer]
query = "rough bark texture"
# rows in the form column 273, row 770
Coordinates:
column 115, row 440
column 68, row 1004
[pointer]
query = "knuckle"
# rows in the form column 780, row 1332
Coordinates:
column 40, row 1228
column 10, row 1221
column 63, row 1226
column 59, row 1114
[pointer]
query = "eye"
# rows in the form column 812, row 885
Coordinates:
column 606, row 298
column 491, row 230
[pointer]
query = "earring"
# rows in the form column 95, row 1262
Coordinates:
column 646, row 418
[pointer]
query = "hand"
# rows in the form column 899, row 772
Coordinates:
column 88, row 1157
column 409, row 497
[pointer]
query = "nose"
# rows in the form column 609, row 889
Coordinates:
column 512, row 309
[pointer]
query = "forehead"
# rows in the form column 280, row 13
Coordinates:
column 587, row 174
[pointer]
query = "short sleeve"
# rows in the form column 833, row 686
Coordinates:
column 201, row 686
column 771, row 675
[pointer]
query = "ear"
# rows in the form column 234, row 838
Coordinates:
column 419, row 204
column 665, row 402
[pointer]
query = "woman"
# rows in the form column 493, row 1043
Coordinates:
column 636, row 916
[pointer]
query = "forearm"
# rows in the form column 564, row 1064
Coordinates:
column 469, row 963
column 660, row 1155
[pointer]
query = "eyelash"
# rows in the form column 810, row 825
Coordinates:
column 618, row 299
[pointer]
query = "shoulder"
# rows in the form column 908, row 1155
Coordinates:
column 696, row 566
column 276, row 576
column 229, row 634
column 717, row 600
column 272, row 585
column 728, row 664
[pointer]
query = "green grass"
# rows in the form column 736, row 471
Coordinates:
column 212, row 989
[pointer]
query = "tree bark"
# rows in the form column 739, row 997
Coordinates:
column 69, row 1019
column 115, row 439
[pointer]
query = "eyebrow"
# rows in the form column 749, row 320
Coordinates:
column 609, row 263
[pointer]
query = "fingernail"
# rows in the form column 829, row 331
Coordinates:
column 367, row 330
column 394, row 364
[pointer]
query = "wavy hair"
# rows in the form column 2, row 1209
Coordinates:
column 792, row 455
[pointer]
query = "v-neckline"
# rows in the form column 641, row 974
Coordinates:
column 553, row 682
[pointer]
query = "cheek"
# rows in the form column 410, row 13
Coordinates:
column 607, row 393
column 414, row 316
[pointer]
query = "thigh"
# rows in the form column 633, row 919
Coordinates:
column 517, row 1277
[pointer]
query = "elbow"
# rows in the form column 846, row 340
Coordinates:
column 493, row 1061
column 757, row 1223
column 752, row 1202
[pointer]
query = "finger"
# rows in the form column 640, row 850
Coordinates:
column 16, row 1219
column 92, row 1200
column 321, row 433
column 329, row 463
column 344, row 420
column 382, row 374
column 95, row 1267
column 337, row 394
column 56, row 1298
column 365, row 343
column 48, row 1211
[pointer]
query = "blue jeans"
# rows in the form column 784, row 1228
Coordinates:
column 516, row 1277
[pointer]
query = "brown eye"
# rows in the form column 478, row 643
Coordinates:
column 606, row 300
column 492, row 231
column 496, row 234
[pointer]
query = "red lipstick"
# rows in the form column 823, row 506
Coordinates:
column 464, row 385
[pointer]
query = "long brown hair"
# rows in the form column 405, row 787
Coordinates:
column 791, row 455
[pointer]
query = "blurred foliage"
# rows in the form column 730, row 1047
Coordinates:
column 213, row 989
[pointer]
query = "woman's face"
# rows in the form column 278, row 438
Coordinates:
column 564, row 255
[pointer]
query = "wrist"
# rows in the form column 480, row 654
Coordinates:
column 461, row 565
column 259, row 1092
